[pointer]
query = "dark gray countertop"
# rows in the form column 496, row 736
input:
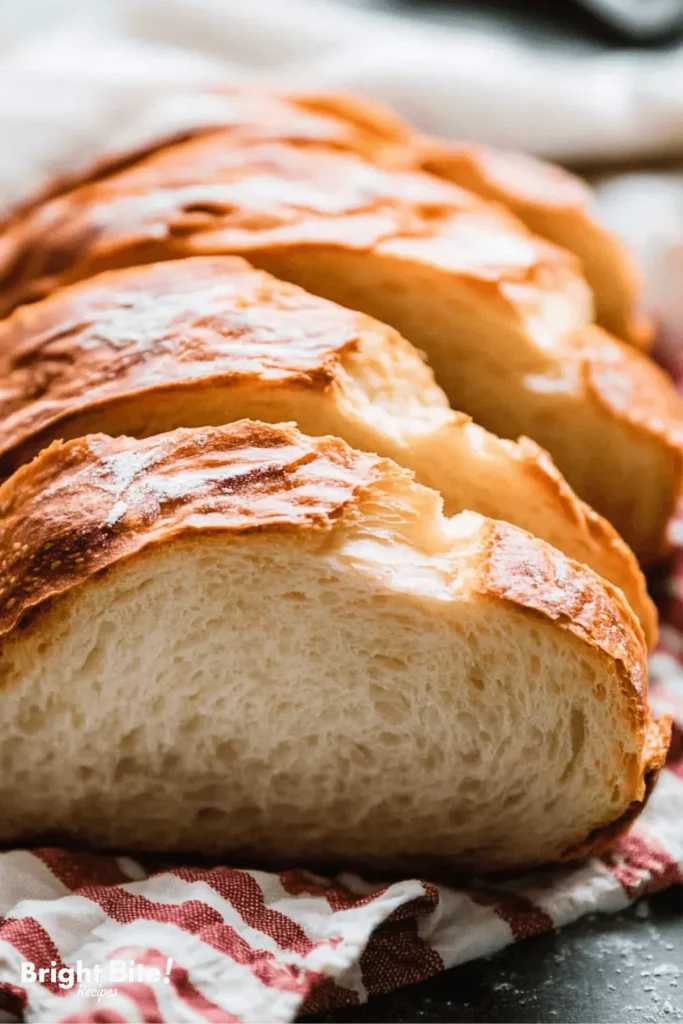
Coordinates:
column 620, row 969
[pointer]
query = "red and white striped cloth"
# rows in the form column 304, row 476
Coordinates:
column 236, row 945
column 259, row 947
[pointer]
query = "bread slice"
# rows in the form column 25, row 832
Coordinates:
column 558, row 206
column 213, row 191
column 208, row 340
column 551, row 202
column 503, row 316
column 244, row 640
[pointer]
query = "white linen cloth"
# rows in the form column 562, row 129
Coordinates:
column 73, row 71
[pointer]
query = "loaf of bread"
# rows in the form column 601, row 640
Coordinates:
column 207, row 340
column 504, row 317
column 250, row 641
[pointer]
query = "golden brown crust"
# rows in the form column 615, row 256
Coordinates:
column 370, row 128
column 248, row 114
column 630, row 386
column 527, row 571
column 211, row 321
column 207, row 195
column 83, row 505
column 533, row 575
column 615, row 552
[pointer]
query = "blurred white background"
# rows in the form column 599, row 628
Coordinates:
column 454, row 73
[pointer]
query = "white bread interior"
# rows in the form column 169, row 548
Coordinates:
column 273, row 646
